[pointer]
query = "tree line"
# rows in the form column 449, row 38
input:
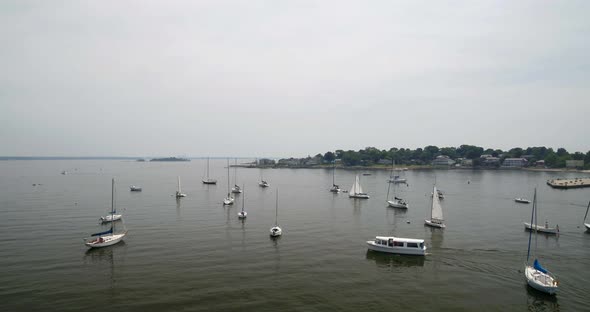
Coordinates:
column 424, row 156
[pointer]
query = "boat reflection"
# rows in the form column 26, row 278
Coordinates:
column 540, row 301
column 393, row 260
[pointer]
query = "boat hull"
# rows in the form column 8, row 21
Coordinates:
column 242, row 215
column 396, row 250
column 434, row 224
column 361, row 196
column 228, row 201
column 209, row 181
column 541, row 228
column 107, row 240
column 276, row 231
column 522, row 201
column 397, row 205
column 111, row 218
column 587, row 225
column 540, row 281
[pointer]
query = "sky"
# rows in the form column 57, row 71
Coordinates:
column 290, row 78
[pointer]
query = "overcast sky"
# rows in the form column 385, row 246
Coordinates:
column 290, row 78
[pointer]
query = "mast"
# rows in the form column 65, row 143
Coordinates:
column 389, row 181
column 228, row 195
column 235, row 171
column 536, row 221
column 528, row 253
column 586, row 212
column 243, row 198
column 334, row 173
column 277, row 210
column 179, row 190
column 207, row 169
column 113, row 206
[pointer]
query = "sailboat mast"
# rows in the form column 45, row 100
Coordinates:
column 243, row 198
column 236, row 171
column 528, row 253
column 228, row 195
column 277, row 209
column 113, row 206
column 587, row 211
column 179, row 190
column 207, row 168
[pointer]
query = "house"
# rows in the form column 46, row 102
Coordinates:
column 443, row 160
column 540, row 163
column 491, row 161
column 514, row 162
column 266, row 162
column 467, row 162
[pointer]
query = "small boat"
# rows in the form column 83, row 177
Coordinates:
column 537, row 276
column 263, row 183
column 236, row 189
column 436, row 214
column 179, row 193
column 335, row 187
column 134, row 188
column 357, row 191
column 397, row 179
column 64, row 172
column 229, row 200
column 276, row 230
column 522, row 200
column 242, row 214
column 366, row 173
column 587, row 225
column 209, row 180
column 109, row 237
column 542, row 228
column 397, row 245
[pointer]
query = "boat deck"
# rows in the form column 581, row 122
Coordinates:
column 569, row 183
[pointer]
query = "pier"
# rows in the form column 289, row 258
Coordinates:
column 569, row 183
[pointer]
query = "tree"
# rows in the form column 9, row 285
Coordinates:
column 329, row 157
column 449, row 151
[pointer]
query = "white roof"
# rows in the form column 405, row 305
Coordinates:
column 400, row 239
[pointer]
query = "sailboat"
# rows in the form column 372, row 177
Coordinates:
column 263, row 182
column 236, row 189
column 537, row 276
column 335, row 188
column 209, row 180
column 587, row 225
column 540, row 228
column 179, row 191
column 229, row 200
column 396, row 202
column 276, row 230
column 436, row 214
column 106, row 238
column 357, row 191
column 242, row 214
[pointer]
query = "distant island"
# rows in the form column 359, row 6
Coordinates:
column 169, row 159
column 464, row 156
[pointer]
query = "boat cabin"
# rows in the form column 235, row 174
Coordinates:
column 399, row 242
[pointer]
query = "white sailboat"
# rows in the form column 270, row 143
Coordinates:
column 436, row 214
column 263, row 182
column 209, row 180
column 357, row 191
column 109, row 237
column 236, row 189
column 229, row 200
column 276, row 230
column 396, row 202
column 243, row 214
column 112, row 216
column 179, row 193
column 537, row 276
column 540, row 228
column 335, row 187
column 587, row 225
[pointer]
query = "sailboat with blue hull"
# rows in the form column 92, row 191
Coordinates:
column 109, row 237
column 536, row 275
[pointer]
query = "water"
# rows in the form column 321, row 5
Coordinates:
column 194, row 254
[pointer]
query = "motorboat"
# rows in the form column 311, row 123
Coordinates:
column 522, row 200
column 397, row 245
column 542, row 228
column 134, row 188
column 397, row 203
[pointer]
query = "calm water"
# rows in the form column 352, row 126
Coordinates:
column 194, row 254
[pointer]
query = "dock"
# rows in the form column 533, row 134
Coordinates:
column 569, row 183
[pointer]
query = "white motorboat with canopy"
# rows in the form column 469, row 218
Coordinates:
column 436, row 213
column 537, row 276
column 398, row 245
column 109, row 237
column 357, row 191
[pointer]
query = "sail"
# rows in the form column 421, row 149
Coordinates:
column 179, row 190
column 538, row 267
column 359, row 189
column 103, row 233
column 436, row 213
column 355, row 187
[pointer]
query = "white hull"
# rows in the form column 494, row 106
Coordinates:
column 209, row 181
column 228, row 201
column 396, row 250
column 522, row 200
column 135, row 189
column 111, row 218
column 242, row 214
column 106, row 240
column 264, row 184
column 236, row 191
column 276, row 231
column 540, row 281
column 434, row 224
column 395, row 204
column 587, row 225
column 179, row 195
column 541, row 228
column 335, row 189
column 363, row 196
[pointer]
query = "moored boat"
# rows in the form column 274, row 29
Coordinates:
column 134, row 188
column 397, row 245
column 522, row 200
column 357, row 191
